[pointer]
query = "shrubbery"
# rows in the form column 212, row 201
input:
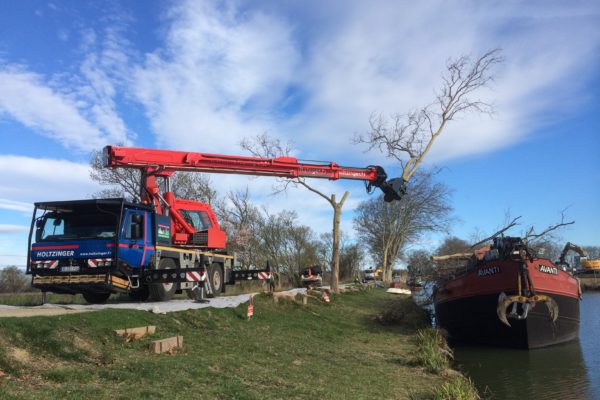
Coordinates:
column 13, row 280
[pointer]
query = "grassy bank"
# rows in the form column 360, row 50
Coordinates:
column 340, row 350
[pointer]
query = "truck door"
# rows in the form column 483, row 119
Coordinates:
column 132, row 237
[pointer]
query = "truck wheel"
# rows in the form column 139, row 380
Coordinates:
column 96, row 298
column 140, row 294
column 215, row 279
column 163, row 291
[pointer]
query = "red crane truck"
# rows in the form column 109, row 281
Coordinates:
column 160, row 245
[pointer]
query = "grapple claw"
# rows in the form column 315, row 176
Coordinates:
column 527, row 303
column 552, row 308
column 503, row 303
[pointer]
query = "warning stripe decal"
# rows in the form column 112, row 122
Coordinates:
column 264, row 275
column 194, row 276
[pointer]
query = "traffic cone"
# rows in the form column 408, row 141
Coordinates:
column 250, row 311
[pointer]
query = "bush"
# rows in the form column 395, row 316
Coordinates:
column 404, row 311
column 13, row 280
column 434, row 353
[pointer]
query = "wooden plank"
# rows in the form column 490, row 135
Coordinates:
column 136, row 333
column 166, row 345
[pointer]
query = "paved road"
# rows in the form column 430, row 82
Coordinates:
column 156, row 307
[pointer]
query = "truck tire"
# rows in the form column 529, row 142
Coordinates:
column 215, row 279
column 163, row 291
column 96, row 298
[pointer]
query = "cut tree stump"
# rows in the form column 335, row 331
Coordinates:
column 165, row 345
column 277, row 295
column 136, row 333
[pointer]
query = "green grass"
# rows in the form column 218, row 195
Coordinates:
column 338, row 350
column 35, row 299
column 458, row 388
column 434, row 353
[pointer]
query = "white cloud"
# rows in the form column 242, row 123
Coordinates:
column 217, row 77
column 32, row 179
column 225, row 72
column 105, row 70
column 77, row 110
column 15, row 205
column 11, row 228
column 26, row 98
column 388, row 59
column 13, row 249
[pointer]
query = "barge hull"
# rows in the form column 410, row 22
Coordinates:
column 474, row 319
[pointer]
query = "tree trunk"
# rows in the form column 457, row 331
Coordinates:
column 384, row 264
column 335, row 253
column 387, row 278
column 387, row 270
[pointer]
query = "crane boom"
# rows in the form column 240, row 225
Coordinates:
column 165, row 162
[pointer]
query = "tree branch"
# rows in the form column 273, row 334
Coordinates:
column 412, row 135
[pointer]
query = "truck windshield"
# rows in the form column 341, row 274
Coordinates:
column 197, row 219
column 83, row 222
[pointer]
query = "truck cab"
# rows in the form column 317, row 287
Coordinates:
column 92, row 247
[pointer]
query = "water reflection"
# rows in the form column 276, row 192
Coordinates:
column 589, row 336
column 557, row 372
column 570, row 371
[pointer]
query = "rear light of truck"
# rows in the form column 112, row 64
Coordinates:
column 99, row 262
column 45, row 264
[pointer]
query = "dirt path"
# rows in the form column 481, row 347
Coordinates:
column 155, row 307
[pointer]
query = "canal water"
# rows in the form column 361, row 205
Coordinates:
column 569, row 371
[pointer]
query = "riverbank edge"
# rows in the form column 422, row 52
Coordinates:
column 433, row 351
column 330, row 350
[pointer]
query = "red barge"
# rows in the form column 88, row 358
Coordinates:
column 507, row 297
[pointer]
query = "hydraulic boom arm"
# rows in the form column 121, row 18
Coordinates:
column 165, row 162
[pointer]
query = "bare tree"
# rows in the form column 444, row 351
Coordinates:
column 287, row 245
column 593, row 252
column 351, row 254
column 387, row 228
column 351, row 259
column 513, row 222
column 266, row 146
column 121, row 182
column 125, row 182
column 412, row 135
column 543, row 243
column 240, row 219
column 13, row 280
column 453, row 245
column 420, row 265
column 547, row 234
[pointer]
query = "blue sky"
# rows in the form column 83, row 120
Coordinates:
column 200, row 76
